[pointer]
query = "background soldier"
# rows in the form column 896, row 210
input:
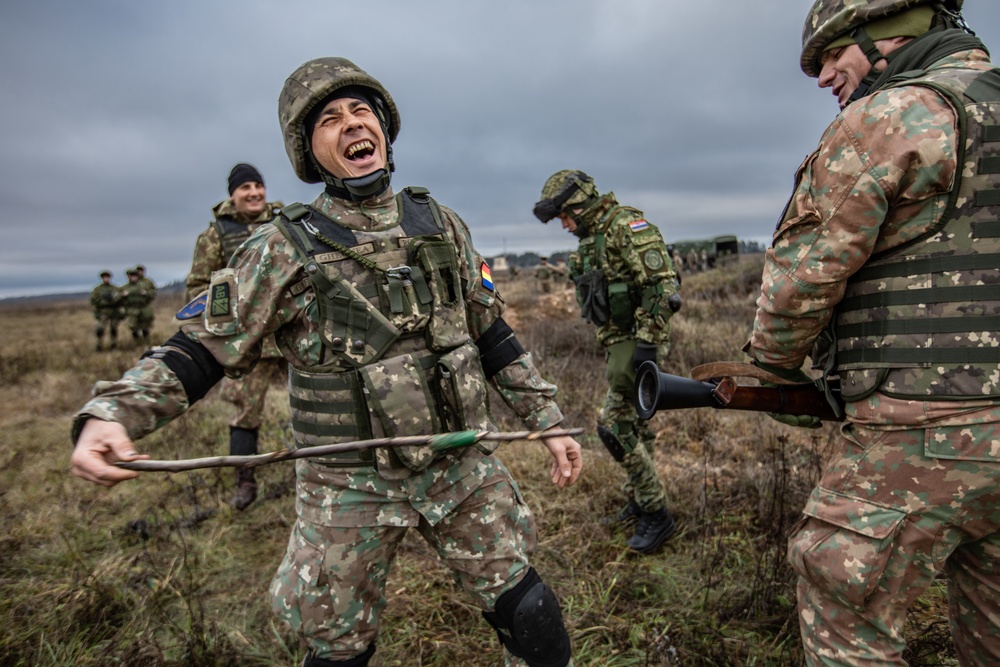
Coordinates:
column 545, row 274
column 105, row 302
column 358, row 289
column 890, row 236
column 137, row 301
column 626, row 285
column 235, row 218
column 145, row 282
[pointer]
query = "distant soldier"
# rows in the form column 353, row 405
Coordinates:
column 675, row 254
column 146, row 283
column 138, row 303
column 235, row 219
column 704, row 260
column 545, row 274
column 692, row 260
column 626, row 286
column 106, row 304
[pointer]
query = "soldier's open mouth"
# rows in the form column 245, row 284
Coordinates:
column 360, row 151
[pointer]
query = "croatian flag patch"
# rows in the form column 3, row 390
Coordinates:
column 487, row 277
column 638, row 225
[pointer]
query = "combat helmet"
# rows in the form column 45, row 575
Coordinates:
column 305, row 89
column 829, row 20
column 105, row 272
column 564, row 190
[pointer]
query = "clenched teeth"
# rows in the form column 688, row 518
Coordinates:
column 354, row 149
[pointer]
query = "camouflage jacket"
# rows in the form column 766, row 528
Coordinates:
column 135, row 296
column 632, row 255
column 880, row 177
column 148, row 285
column 209, row 252
column 105, row 300
column 271, row 294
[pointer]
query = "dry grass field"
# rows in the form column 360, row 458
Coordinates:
column 160, row 571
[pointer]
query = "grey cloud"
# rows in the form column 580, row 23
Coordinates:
column 120, row 120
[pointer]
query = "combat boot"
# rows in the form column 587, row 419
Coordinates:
column 626, row 515
column 651, row 531
column 246, row 488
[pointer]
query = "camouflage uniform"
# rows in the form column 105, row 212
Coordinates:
column 546, row 275
column 887, row 236
column 212, row 252
column 210, row 255
column 137, row 300
column 623, row 262
column 323, row 300
column 105, row 302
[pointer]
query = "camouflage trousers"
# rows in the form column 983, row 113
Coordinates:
column 330, row 587
column 618, row 414
column 248, row 392
column 139, row 320
column 892, row 512
column 106, row 323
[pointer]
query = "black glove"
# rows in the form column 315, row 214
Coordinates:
column 643, row 352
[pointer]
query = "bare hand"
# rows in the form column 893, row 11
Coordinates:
column 567, row 460
column 101, row 443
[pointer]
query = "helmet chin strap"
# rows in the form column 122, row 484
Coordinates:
column 359, row 188
column 874, row 55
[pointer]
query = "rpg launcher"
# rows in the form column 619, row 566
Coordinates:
column 714, row 386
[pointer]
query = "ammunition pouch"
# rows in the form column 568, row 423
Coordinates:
column 592, row 295
column 409, row 394
column 621, row 305
column 435, row 258
column 352, row 326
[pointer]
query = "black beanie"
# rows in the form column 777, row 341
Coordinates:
column 244, row 173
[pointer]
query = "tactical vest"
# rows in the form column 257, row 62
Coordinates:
column 398, row 356
column 232, row 234
column 603, row 301
column 922, row 321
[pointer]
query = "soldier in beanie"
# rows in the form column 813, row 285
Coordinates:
column 234, row 220
column 392, row 325
column 105, row 302
column 884, row 270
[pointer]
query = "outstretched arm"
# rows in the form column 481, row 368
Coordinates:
column 100, row 444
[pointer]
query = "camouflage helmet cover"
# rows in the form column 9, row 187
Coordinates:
column 830, row 19
column 564, row 189
column 309, row 85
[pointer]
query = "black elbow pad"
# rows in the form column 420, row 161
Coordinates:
column 193, row 365
column 498, row 347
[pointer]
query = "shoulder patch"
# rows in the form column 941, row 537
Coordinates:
column 653, row 260
column 194, row 308
column 638, row 225
column 486, row 276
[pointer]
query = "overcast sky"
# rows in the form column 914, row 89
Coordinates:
column 119, row 121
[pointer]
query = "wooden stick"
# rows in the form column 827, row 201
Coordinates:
column 439, row 442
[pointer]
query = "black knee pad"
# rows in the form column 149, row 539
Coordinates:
column 530, row 625
column 356, row 661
